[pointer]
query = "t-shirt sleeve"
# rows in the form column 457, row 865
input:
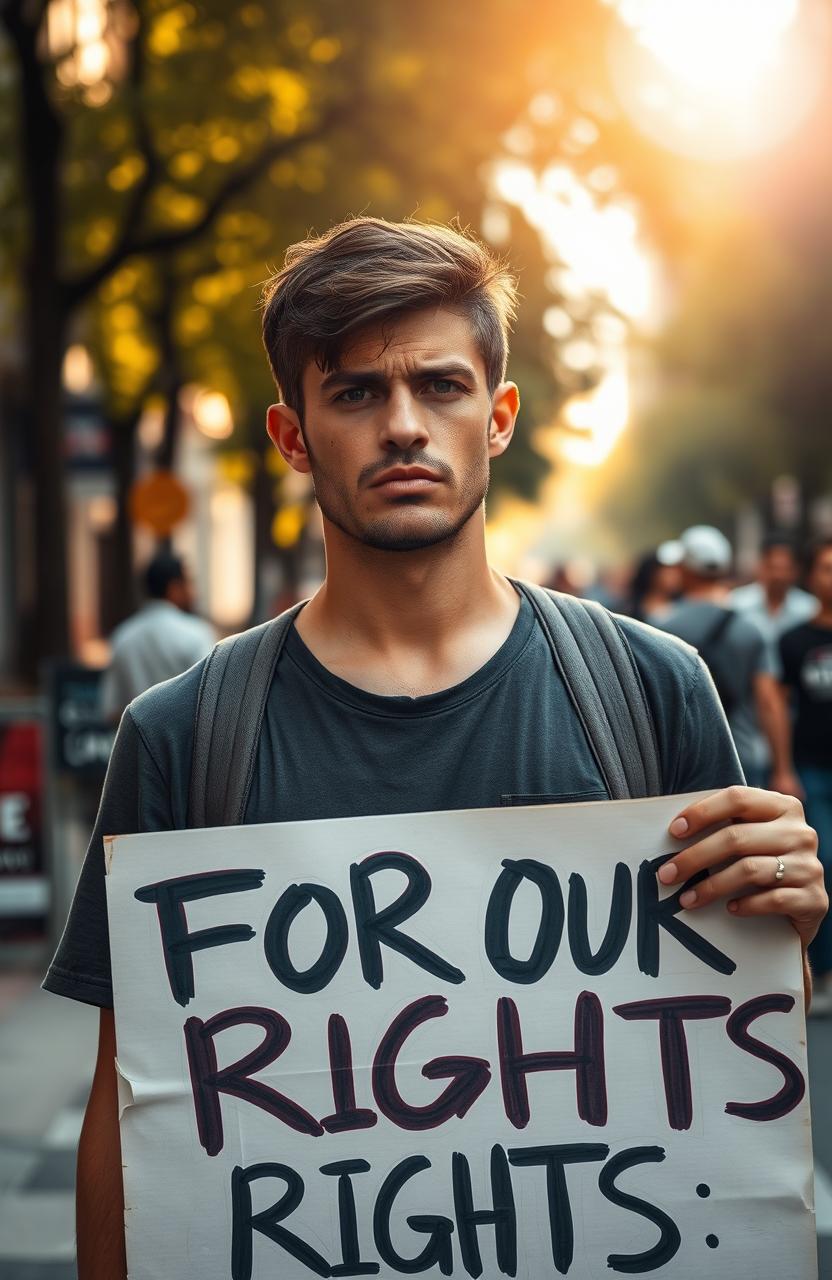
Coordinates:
column 134, row 798
column 707, row 757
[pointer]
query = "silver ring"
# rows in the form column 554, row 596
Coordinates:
column 781, row 869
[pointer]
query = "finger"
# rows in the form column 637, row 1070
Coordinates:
column 775, row 902
column 749, row 804
column 748, row 839
column 745, row 874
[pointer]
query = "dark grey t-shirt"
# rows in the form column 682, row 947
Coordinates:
column 506, row 735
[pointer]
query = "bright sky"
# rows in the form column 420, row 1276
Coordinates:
column 713, row 45
column 719, row 79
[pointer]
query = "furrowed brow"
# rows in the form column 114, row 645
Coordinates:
column 448, row 369
column 351, row 378
column 372, row 378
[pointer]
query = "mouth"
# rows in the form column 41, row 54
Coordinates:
column 403, row 480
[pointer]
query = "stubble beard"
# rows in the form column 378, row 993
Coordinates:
column 385, row 533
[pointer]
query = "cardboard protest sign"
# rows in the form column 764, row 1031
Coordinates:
column 474, row 1043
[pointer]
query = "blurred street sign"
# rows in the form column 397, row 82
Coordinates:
column 82, row 741
column 87, row 437
column 159, row 501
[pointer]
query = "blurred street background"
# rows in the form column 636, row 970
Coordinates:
column 659, row 173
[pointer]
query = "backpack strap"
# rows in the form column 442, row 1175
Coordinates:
column 597, row 666
column 235, row 684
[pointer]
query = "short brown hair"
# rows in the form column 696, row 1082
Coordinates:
column 368, row 269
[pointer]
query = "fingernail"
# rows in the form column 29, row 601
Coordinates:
column 733, row 905
column 678, row 826
column 668, row 873
column 687, row 899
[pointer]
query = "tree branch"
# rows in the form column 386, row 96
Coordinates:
column 132, row 242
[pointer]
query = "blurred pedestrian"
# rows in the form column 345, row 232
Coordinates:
column 806, row 653
column 737, row 655
column 775, row 602
column 656, row 584
column 161, row 640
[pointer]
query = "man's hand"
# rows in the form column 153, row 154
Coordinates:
column 762, row 827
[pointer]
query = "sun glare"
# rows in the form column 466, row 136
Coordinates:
column 596, row 420
column 712, row 46
column 597, row 252
column 719, row 78
column 596, row 244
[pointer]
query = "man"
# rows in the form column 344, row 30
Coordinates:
column 417, row 677
column 161, row 640
column 774, row 602
column 806, row 653
column 737, row 655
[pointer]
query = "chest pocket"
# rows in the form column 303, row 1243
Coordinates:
column 548, row 797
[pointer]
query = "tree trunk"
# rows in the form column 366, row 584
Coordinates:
column 40, row 135
column 170, row 375
column 123, row 585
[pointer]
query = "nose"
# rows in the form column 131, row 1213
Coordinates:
column 403, row 425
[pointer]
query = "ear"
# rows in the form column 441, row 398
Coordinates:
column 505, row 406
column 286, row 434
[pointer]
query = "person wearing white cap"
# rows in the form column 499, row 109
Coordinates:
column 737, row 655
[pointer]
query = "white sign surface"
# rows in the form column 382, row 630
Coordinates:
column 478, row 1043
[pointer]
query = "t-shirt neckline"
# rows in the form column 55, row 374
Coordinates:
column 399, row 705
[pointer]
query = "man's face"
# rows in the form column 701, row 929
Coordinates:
column 778, row 569
column 398, row 438
column 820, row 579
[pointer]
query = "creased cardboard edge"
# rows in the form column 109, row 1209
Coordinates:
column 125, row 1090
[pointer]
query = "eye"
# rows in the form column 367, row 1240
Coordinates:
column 354, row 395
column 445, row 386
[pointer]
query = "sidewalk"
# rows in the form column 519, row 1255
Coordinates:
column 47, row 1055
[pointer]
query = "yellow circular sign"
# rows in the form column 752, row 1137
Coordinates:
column 159, row 501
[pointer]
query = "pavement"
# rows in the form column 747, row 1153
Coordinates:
column 47, row 1053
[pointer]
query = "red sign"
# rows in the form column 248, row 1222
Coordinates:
column 24, row 890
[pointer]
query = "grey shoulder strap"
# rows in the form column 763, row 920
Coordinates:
column 599, row 671
column 229, row 714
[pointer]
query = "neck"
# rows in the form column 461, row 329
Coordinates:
column 823, row 618
column 775, row 596
column 385, row 598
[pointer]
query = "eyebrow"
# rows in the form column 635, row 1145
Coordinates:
column 372, row 378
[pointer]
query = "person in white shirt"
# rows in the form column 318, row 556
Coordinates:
column 774, row 601
column 161, row 640
column 775, row 604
